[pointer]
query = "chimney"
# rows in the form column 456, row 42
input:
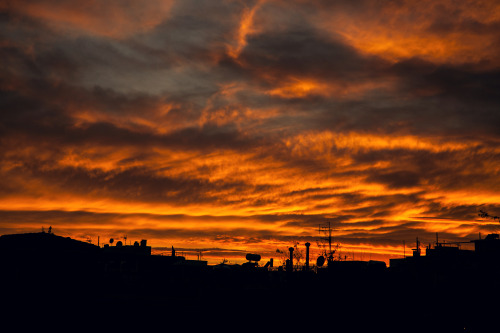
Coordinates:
column 307, row 255
column 290, row 263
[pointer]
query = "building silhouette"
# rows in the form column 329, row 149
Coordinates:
column 445, row 289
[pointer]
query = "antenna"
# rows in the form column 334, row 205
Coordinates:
column 327, row 230
column 416, row 251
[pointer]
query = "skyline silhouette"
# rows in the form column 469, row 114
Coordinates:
column 441, row 289
column 237, row 125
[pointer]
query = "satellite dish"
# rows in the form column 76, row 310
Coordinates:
column 111, row 240
column 320, row 261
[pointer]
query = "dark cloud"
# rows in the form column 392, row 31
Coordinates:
column 307, row 53
column 460, row 212
column 396, row 179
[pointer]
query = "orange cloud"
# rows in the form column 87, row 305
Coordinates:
column 427, row 29
column 109, row 18
column 300, row 88
column 245, row 28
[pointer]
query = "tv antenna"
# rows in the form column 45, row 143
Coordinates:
column 326, row 230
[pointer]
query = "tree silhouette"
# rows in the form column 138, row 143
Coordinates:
column 298, row 255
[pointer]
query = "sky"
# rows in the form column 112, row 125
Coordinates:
column 234, row 127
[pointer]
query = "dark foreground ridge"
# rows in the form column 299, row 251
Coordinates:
column 447, row 290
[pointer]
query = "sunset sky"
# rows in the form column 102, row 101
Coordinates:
column 241, row 126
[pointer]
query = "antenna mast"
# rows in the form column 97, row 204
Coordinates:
column 326, row 229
